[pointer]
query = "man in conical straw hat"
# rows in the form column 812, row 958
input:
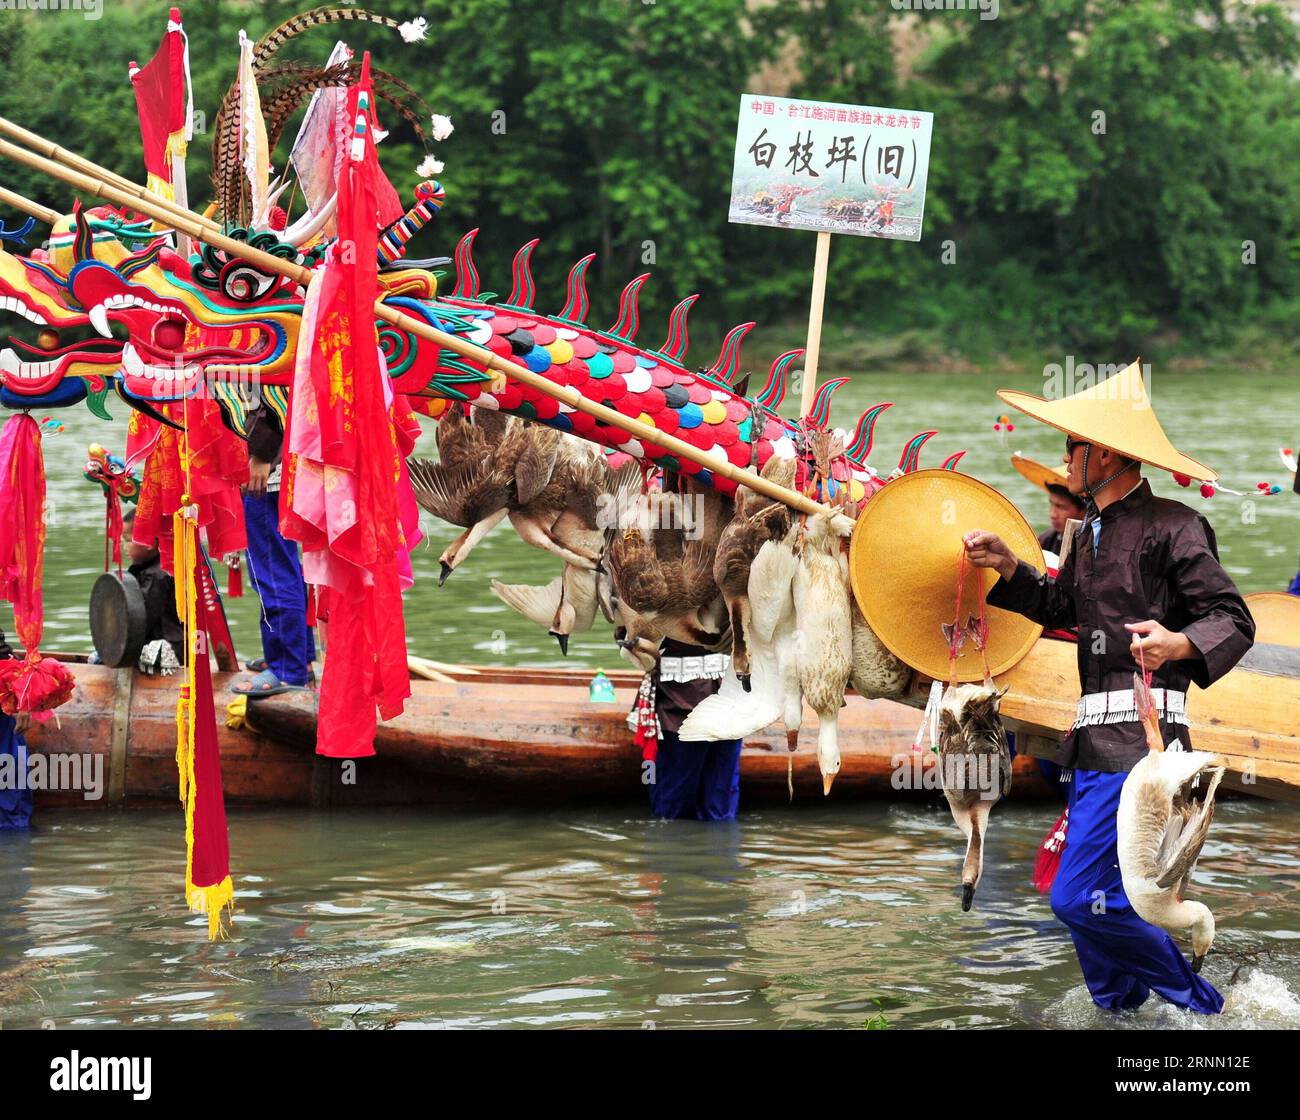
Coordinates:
column 1143, row 583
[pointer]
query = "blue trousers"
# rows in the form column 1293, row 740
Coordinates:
column 1123, row 958
column 15, row 803
column 696, row 780
column 276, row 575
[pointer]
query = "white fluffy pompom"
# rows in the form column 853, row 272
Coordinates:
column 413, row 30
column 442, row 126
column 429, row 167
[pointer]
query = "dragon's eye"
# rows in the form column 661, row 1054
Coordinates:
column 169, row 334
column 48, row 339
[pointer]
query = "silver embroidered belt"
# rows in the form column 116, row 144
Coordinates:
column 1119, row 707
column 683, row 670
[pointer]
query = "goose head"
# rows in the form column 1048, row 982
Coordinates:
column 1201, row 931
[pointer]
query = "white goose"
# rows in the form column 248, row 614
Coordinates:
column 1162, row 830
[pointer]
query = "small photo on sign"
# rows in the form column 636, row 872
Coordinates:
column 831, row 168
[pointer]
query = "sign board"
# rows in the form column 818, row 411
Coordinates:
column 830, row 168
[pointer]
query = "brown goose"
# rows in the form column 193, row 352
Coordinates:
column 974, row 769
column 677, row 596
column 493, row 463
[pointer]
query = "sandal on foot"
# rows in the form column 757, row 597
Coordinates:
column 265, row 683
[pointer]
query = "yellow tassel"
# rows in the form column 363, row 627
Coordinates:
column 212, row 901
column 237, row 712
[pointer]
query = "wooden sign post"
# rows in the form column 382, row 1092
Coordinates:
column 829, row 168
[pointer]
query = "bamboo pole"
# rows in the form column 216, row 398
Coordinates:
column 149, row 205
column 27, row 206
column 52, row 151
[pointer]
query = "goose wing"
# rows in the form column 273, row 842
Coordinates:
column 461, row 495
column 1189, row 823
column 533, row 469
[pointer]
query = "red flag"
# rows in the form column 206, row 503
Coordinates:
column 162, row 97
column 339, row 494
column 208, row 887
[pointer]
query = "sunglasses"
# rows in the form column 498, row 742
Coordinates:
column 1071, row 444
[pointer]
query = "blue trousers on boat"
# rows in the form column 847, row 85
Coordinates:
column 15, row 798
column 696, row 780
column 276, row 575
column 1123, row 958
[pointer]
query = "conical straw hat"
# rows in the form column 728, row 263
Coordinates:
column 1277, row 617
column 1114, row 413
column 903, row 566
column 1039, row 474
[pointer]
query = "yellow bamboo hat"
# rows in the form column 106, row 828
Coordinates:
column 904, row 562
column 1114, row 413
column 1039, row 474
column 1277, row 617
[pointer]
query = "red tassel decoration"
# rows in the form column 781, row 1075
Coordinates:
column 1049, row 854
column 235, row 581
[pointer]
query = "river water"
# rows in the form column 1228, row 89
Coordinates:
column 824, row 914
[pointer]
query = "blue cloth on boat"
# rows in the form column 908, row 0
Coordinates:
column 1294, row 589
column 696, row 780
column 1123, row 958
column 275, row 572
column 15, row 798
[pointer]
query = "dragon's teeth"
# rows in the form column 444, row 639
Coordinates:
column 99, row 319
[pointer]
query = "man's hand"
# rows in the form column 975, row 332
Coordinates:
column 1157, row 645
column 258, row 472
column 988, row 550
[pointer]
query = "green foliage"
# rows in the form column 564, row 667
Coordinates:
column 1098, row 166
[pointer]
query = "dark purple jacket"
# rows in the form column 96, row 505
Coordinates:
column 1156, row 559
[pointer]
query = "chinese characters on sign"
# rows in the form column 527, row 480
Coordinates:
column 831, row 168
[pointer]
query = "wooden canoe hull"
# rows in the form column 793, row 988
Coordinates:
column 497, row 735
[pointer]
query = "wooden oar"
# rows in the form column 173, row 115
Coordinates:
column 186, row 222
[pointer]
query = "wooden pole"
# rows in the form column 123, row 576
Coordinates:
column 52, row 151
column 813, row 350
column 196, row 228
column 27, row 206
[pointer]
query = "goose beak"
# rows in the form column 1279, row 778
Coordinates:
column 447, row 569
column 792, row 741
column 563, row 639
column 745, row 682
column 827, row 781
column 967, row 895
column 1197, row 962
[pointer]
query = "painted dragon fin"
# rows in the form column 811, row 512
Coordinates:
column 674, row 346
column 864, row 434
column 467, row 281
column 724, row 369
column 778, row 378
column 629, row 318
column 910, row 460
column 821, row 406
column 522, row 291
column 576, row 304
column 950, row 463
